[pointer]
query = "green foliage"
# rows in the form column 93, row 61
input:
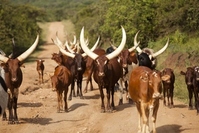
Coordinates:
column 18, row 22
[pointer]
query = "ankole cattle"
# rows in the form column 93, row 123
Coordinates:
column 192, row 81
column 168, row 80
column 76, row 63
column 40, row 69
column 147, row 57
column 13, row 79
column 60, row 82
column 107, row 70
column 145, row 87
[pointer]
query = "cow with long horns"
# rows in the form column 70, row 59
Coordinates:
column 107, row 70
column 147, row 57
column 75, row 62
column 13, row 79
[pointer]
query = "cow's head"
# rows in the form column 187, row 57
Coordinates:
column 13, row 65
column 102, row 61
column 196, row 69
column 156, row 83
column 166, row 75
column 150, row 53
column 189, row 75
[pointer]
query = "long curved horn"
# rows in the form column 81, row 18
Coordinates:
column 161, row 50
column 63, row 51
column 29, row 51
column 2, row 53
column 93, row 48
column 134, row 47
column 74, row 40
column 136, row 43
column 120, row 48
column 58, row 41
column 68, row 47
column 3, row 58
column 84, row 46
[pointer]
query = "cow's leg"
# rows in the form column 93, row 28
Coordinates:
column 10, row 104
column 89, row 79
column 195, row 97
column 79, row 87
column 72, row 90
column 145, row 115
column 108, row 99
column 168, row 96
column 65, row 101
column 190, row 98
column 58, row 101
column 154, row 115
column 139, row 118
column 4, row 118
column 61, row 100
column 121, row 91
column 126, row 88
column 164, row 94
column 171, row 96
column 91, row 84
column 42, row 77
column 15, row 109
column 112, row 100
column 102, row 99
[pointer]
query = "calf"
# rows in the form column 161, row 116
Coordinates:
column 60, row 81
column 145, row 90
column 168, row 80
column 40, row 70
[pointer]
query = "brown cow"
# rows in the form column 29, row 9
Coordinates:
column 13, row 79
column 107, row 70
column 168, row 80
column 145, row 90
column 76, row 64
column 191, row 80
column 40, row 70
column 90, row 67
column 61, row 79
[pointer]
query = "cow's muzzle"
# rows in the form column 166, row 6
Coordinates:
column 157, row 95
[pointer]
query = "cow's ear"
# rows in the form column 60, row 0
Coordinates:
column 22, row 65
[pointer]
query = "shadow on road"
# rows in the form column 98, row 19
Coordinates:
column 170, row 129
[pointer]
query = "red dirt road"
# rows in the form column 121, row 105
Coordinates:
column 37, row 106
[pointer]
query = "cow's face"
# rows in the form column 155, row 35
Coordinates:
column 123, row 56
column 155, row 83
column 79, row 61
column 57, row 58
column 189, row 76
column 101, row 65
column 166, row 75
column 13, row 67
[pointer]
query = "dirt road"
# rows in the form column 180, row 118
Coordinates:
column 37, row 107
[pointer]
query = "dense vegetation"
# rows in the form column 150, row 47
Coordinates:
column 156, row 20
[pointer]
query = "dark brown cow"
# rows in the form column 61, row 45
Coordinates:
column 168, row 80
column 145, row 90
column 13, row 79
column 61, row 80
column 191, row 80
column 107, row 70
column 40, row 70
column 77, row 65
column 89, row 68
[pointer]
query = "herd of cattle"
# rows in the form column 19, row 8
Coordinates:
column 135, row 72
